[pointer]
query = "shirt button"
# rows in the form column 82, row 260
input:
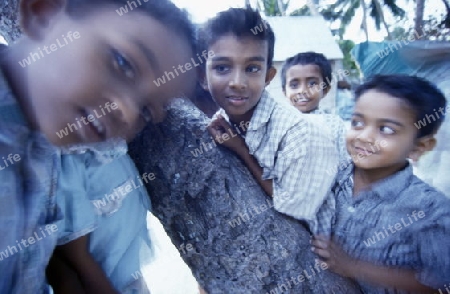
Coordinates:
column 351, row 209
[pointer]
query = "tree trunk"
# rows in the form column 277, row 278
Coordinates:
column 208, row 201
column 9, row 23
column 418, row 21
column 312, row 5
column 383, row 20
column 364, row 21
column 281, row 7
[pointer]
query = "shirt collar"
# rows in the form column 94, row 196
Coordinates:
column 318, row 111
column 263, row 111
column 385, row 188
column 394, row 184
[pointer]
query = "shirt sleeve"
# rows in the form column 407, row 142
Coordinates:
column 434, row 250
column 301, row 182
column 340, row 134
column 72, row 196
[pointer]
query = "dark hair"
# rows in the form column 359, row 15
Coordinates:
column 240, row 22
column 421, row 95
column 306, row 58
column 164, row 11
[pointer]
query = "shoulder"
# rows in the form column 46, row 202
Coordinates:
column 425, row 196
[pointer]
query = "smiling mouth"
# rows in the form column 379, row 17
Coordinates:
column 95, row 125
column 301, row 100
column 364, row 151
column 237, row 98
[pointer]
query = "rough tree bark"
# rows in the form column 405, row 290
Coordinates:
column 208, row 201
column 9, row 23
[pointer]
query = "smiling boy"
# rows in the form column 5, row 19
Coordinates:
column 284, row 150
column 306, row 80
column 112, row 61
column 379, row 193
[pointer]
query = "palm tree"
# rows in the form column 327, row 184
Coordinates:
column 345, row 10
column 418, row 20
column 273, row 7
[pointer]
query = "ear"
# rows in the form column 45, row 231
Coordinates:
column 271, row 72
column 422, row 145
column 36, row 15
column 326, row 90
column 201, row 78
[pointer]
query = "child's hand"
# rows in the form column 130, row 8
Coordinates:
column 223, row 134
column 332, row 254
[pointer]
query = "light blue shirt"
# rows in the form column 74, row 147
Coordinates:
column 29, row 167
column 102, row 193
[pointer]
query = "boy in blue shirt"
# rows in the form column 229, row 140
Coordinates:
column 391, row 229
column 67, row 85
column 286, row 151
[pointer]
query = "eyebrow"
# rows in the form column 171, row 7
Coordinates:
column 383, row 120
column 148, row 53
column 224, row 58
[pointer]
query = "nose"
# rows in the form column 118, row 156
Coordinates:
column 238, row 80
column 366, row 135
column 125, row 118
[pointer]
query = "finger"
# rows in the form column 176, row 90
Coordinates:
column 324, row 254
column 320, row 244
column 223, row 123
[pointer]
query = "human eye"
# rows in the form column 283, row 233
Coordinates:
column 146, row 114
column 122, row 64
column 221, row 68
column 253, row 68
column 312, row 83
column 387, row 130
column 293, row 85
column 356, row 123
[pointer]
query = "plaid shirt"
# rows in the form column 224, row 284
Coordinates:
column 400, row 222
column 337, row 131
column 295, row 153
column 28, row 210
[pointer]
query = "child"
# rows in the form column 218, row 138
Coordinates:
column 306, row 79
column 391, row 230
column 100, row 190
column 284, row 150
column 42, row 102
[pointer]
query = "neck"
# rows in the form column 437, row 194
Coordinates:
column 364, row 178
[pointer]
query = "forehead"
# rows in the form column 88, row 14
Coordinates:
column 304, row 71
column 378, row 105
column 160, row 49
column 139, row 29
column 240, row 47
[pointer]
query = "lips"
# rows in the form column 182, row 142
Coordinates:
column 301, row 100
column 363, row 151
column 237, row 100
column 95, row 127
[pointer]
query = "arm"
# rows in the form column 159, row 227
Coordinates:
column 90, row 274
column 341, row 263
column 62, row 278
column 237, row 144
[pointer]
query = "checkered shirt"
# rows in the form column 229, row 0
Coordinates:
column 295, row 153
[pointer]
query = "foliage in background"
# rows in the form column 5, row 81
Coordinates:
column 273, row 7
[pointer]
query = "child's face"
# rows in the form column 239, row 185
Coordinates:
column 237, row 75
column 382, row 134
column 108, row 75
column 305, row 86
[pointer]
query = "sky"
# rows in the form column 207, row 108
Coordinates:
column 201, row 10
